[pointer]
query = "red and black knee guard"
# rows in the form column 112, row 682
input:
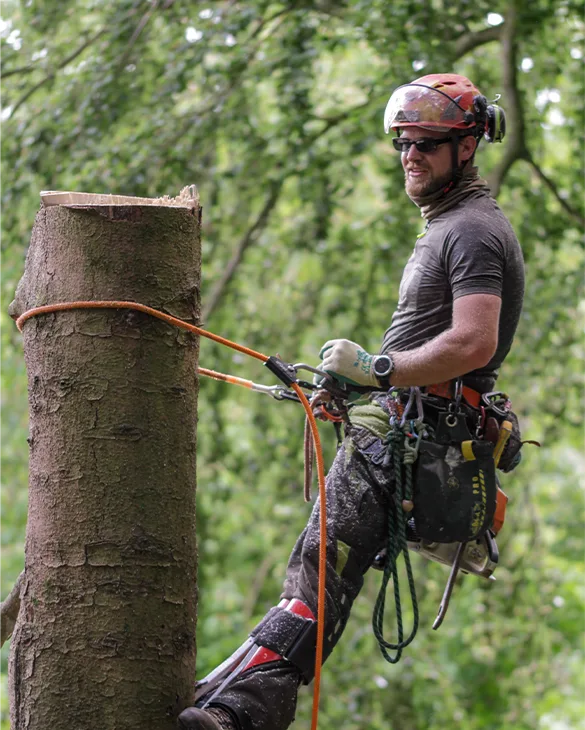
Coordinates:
column 288, row 631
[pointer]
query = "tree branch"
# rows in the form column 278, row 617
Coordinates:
column 260, row 223
column 19, row 70
column 137, row 31
column 235, row 80
column 250, row 236
column 265, row 21
column 53, row 73
column 9, row 609
column 573, row 212
column 469, row 41
column 515, row 148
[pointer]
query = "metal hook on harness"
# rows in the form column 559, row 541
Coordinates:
column 498, row 401
column 407, row 408
column 413, row 396
column 455, row 404
column 419, row 407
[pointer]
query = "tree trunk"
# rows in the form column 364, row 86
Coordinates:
column 105, row 636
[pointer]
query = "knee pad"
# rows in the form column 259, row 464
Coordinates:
column 287, row 632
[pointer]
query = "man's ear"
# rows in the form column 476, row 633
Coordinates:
column 467, row 147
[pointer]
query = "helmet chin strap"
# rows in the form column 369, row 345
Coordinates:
column 456, row 168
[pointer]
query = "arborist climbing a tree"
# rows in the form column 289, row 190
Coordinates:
column 432, row 396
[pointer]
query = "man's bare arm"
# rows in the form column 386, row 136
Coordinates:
column 469, row 344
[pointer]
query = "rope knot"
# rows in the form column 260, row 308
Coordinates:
column 410, row 453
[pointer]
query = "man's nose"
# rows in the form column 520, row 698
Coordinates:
column 413, row 153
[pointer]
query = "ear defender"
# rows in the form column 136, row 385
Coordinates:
column 495, row 123
column 490, row 118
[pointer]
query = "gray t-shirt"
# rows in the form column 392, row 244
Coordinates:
column 469, row 249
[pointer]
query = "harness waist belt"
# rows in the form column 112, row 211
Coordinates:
column 447, row 390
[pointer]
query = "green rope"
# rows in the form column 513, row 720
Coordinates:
column 400, row 457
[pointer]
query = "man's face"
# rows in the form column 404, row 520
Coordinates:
column 425, row 173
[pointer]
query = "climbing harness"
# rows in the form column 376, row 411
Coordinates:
column 455, row 508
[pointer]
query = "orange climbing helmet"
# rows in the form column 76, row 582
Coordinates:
column 444, row 101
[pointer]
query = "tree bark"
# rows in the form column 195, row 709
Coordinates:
column 9, row 609
column 105, row 636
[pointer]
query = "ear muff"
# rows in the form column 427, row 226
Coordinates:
column 490, row 119
column 495, row 127
column 480, row 108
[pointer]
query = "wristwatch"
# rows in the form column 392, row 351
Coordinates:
column 383, row 369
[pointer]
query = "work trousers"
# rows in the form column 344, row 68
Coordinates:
column 358, row 494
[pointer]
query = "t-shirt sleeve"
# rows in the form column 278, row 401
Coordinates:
column 474, row 261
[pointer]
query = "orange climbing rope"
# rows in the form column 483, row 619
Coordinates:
column 66, row 306
column 225, row 378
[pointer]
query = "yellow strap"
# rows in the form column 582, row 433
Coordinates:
column 467, row 450
column 504, row 435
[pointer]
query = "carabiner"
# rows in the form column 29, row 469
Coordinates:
column 408, row 406
column 419, row 406
column 276, row 391
column 498, row 401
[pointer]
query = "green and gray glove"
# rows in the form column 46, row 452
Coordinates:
column 348, row 362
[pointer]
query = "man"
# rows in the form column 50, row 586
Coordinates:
column 459, row 304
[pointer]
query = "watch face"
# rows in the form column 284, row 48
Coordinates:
column 383, row 365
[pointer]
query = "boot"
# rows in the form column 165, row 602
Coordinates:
column 212, row 719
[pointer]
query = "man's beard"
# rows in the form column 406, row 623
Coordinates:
column 421, row 188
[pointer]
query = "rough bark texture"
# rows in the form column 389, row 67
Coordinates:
column 105, row 637
column 9, row 609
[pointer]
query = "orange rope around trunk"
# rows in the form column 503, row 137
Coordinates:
column 66, row 306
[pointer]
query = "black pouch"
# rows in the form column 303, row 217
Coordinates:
column 498, row 405
column 511, row 455
column 454, row 491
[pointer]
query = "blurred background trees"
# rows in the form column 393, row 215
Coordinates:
column 274, row 110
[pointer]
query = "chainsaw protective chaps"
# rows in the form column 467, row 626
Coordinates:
column 455, row 490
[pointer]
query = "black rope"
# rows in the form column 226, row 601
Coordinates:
column 399, row 459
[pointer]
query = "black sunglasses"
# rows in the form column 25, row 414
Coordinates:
column 424, row 144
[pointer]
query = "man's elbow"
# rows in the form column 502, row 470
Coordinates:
column 480, row 353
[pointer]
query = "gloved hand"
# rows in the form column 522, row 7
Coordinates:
column 348, row 362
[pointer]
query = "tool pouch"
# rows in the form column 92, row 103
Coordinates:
column 511, row 455
column 454, row 491
column 497, row 409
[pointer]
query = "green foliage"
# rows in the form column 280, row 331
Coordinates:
column 277, row 107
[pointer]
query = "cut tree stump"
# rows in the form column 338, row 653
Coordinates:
column 105, row 635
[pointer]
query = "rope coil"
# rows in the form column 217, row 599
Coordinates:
column 399, row 459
